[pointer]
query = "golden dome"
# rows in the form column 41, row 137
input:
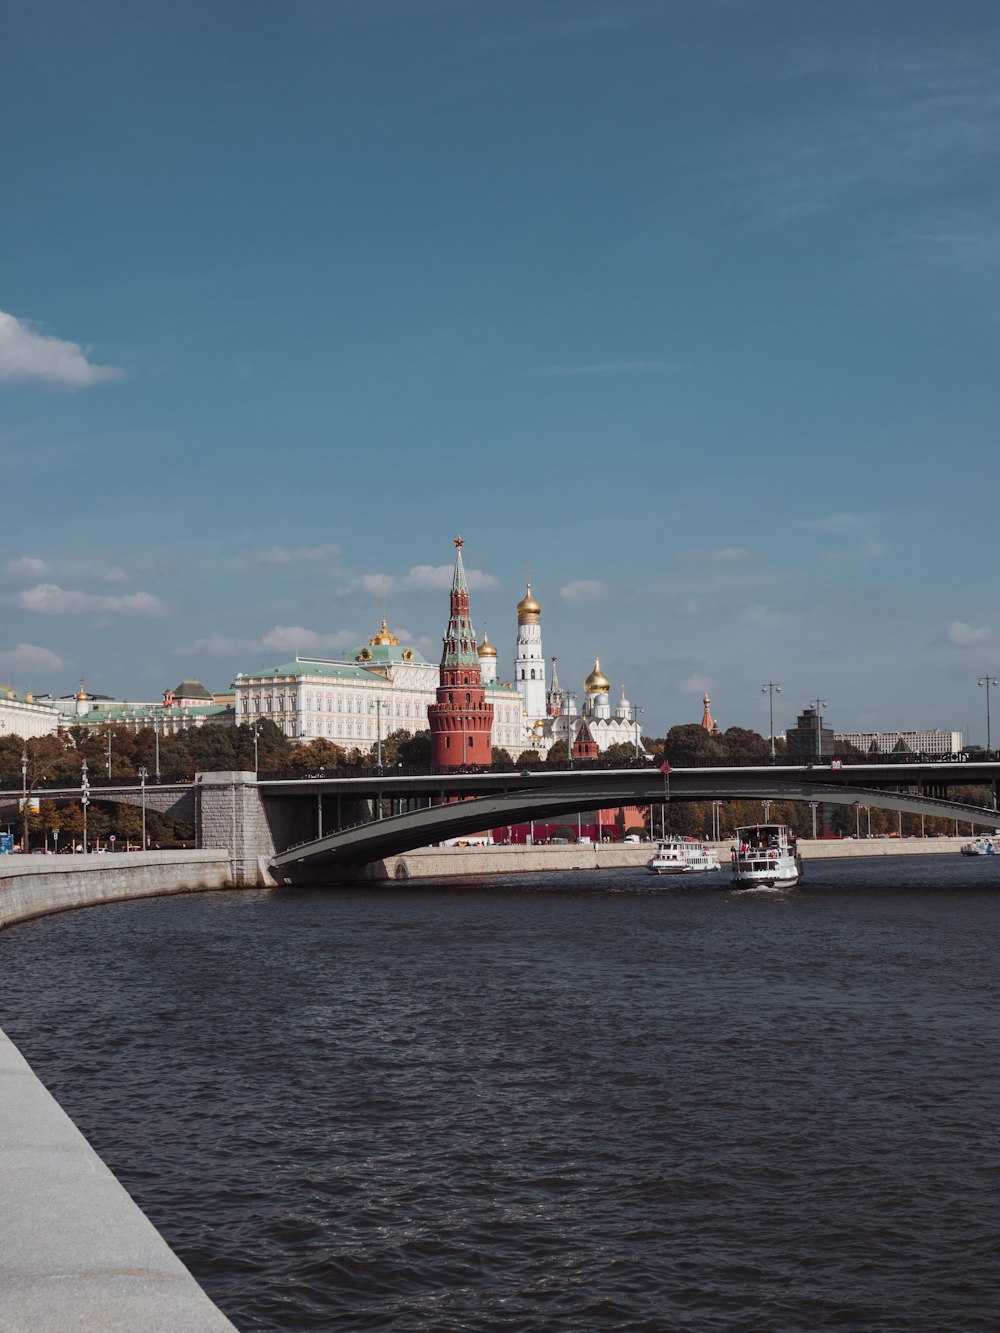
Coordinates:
column 597, row 682
column 527, row 608
column 383, row 638
column 82, row 693
column 486, row 649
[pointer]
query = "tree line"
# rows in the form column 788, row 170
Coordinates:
column 119, row 753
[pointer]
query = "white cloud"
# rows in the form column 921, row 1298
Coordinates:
column 582, row 590
column 695, row 684
column 280, row 640
column 27, row 355
column 419, row 579
column 857, row 528
column 51, row 600
column 964, row 636
column 28, row 567
column 31, row 567
column 294, row 639
column 424, row 578
column 27, row 657
column 283, row 555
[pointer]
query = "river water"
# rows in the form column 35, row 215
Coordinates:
column 578, row 1101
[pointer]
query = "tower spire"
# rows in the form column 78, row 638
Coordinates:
column 461, row 721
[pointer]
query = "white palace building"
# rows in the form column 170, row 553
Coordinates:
column 354, row 702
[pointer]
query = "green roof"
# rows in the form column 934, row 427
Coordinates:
column 384, row 654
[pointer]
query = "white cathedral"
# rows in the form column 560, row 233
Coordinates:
column 549, row 714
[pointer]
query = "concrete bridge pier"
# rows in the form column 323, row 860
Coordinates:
column 230, row 814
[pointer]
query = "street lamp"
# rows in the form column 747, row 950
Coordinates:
column 143, row 775
column 109, row 753
column 771, row 689
column 767, row 811
column 568, row 699
column 988, row 681
column 857, row 820
column 813, row 806
column 255, row 731
column 377, row 704
column 817, row 704
column 24, row 801
column 84, row 801
column 716, row 821
column 636, row 713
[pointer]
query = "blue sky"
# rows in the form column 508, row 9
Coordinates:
column 690, row 307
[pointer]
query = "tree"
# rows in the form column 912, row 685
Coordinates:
column 691, row 746
column 528, row 759
column 621, row 753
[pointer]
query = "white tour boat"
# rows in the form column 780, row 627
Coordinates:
column 981, row 846
column 682, row 856
column 765, row 855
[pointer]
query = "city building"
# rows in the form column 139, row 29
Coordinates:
column 360, row 699
column 809, row 739
column 896, row 742
column 25, row 716
column 190, row 704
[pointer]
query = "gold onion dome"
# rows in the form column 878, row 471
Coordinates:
column 383, row 638
column 597, row 682
column 486, row 649
column 527, row 607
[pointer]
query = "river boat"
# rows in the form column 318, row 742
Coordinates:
column 682, row 856
column 765, row 856
column 981, row 846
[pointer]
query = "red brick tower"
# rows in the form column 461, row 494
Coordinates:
column 461, row 722
column 584, row 746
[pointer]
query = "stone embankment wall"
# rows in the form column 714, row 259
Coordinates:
column 434, row 862
column 37, row 885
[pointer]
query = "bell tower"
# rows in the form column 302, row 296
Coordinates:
column 461, row 721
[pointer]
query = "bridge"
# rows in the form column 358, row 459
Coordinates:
column 315, row 827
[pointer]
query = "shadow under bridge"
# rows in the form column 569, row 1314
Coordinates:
column 544, row 796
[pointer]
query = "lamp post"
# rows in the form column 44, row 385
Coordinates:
column 813, row 806
column 256, row 730
column 24, row 801
column 84, row 801
column 636, row 713
column 817, row 704
column 716, row 821
column 988, row 681
column 771, row 689
column 857, row 820
column 143, row 775
column 767, row 811
column 109, row 752
column 568, row 699
column 377, row 704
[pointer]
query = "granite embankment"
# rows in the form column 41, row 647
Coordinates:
column 37, row 885
column 436, row 862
